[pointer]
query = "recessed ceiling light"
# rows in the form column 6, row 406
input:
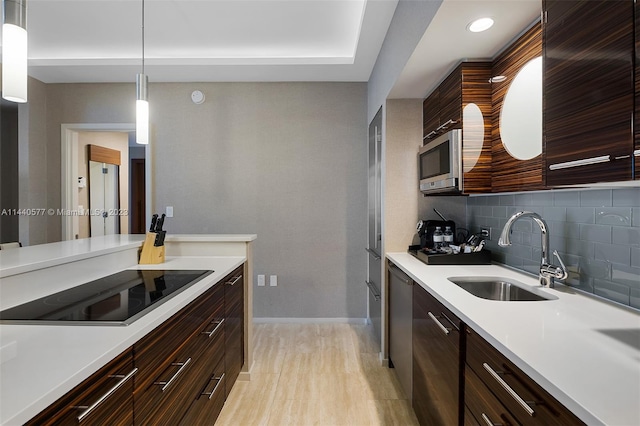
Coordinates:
column 480, row 25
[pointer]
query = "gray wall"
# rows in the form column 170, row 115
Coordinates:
column 410, row 21
column 597, row 232
column 287, row 161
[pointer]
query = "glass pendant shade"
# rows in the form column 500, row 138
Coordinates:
column 14, row 51
column 142, row 110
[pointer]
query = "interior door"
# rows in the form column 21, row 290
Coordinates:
column 374, row 248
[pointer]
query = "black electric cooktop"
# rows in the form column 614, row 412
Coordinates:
column 117, row 299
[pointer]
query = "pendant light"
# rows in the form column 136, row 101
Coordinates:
column 142, row 103
column 14, row 50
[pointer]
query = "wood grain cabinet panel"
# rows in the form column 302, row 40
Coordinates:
column 105, row 398
column 444, row 110
column 588, row 91
column 508, row 172
column 234, row 327
column 527, row 402
column 436, row 361
column 636, row 117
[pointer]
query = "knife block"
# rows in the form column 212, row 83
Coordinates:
column 150, row 254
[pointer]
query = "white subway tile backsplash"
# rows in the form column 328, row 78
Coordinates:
column 613, row 253
column 565, row 198
column 581, row 215
column 542, row 199
column 554, row 213
column 626, row 236
column 507, row 200
column 597, row 233
column 626, row 197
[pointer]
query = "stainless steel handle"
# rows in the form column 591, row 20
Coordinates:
column 636, row 153
column 234, row 280
column 445, row 125
column 375, row 255
column 510, row 391
column 444, row 329
column 210, row 394
column 562, row 274
column 373, row 290
column 430, row 134
column 583, row 162
column 488, row 421
column 107, row 394
column 212, row 332
column 397, row 272
column 182, row 365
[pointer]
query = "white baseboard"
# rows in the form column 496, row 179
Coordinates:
column 287, row 320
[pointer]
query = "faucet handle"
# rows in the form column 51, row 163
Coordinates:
column 562, row 274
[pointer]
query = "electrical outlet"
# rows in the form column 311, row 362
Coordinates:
column 169, row 211
column 486, row 233
column 273, row 280
column 260, row 280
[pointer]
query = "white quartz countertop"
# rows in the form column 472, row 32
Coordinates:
column 39, row 364
column 584, row 351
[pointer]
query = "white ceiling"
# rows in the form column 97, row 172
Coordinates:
column 206, row 40
column 447, row 41
column 72, row 41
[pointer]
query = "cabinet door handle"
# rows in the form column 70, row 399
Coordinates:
column 583, row 162
column 373, row 290
column 234, row 280
column 430, row 134
column 446, row 124
column 636, row 153
column 510, row 391
column 375, row 255
column 166, row 384
column 488, row 421
column 107, row 394
column 212, row 332
column 210, row 394
column 444, row 329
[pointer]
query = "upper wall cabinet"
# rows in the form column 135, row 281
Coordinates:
column 517, row 115
column 463, row 101
column 636, row 119
column 588, row 91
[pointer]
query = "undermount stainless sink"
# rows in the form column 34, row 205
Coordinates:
column 497, row 288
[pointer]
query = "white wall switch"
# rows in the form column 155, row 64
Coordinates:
column 260, row 280
column 169, row 211
column 273, row 280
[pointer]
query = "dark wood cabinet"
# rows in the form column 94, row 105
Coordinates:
column 504, row 393
column 508, row 172
column 588, row 91
column 636, row 117
column 450, row 107
column 436, row 361
column 234, row 326
column 184, row 369
column 105, row 398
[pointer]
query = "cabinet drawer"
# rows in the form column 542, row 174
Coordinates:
column 523, row 397
column 209, row 401
column 482, row 405
column 160, row 347
column 104, row 398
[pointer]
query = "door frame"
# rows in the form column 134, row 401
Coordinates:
column 69, row 170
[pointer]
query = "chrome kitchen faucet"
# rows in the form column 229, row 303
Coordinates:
column 548, row 271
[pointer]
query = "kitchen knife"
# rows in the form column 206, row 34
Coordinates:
column 160, row 223
column 154, row 218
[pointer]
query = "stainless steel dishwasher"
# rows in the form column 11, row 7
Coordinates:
column 400, row 326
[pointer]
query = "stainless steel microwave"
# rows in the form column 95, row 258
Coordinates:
column 440, row 164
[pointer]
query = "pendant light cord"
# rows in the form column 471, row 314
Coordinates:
column 142, row 36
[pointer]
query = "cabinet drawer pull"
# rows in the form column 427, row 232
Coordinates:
column 583, row 162
column 374, row 291
column 212, row 332
column 510, row 391
column 210, row 394
column 89, row 409
column 488, row 421
column 234, row 280
column 444, row 329
column 182, row 365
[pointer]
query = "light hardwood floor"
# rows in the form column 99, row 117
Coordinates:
column 316, row 374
